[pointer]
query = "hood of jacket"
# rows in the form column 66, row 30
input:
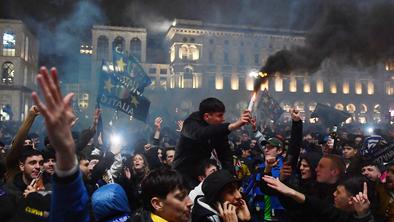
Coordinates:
column 109, row 200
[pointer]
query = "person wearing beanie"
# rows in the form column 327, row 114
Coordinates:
column 109, row 204
column 221, row 194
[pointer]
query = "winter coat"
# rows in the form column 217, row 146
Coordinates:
column 109, row 203
column 70, row 200
column 197, row 141
column 202, row 212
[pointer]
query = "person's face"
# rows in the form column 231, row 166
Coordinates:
column 324, row 171
column 214, row 118
column 92, row 163
column 252, row 144
column 349, row 152
column 358, row 140
column 209, row 170
column 246, row 153
column 32, row 166
column 342, row 198
column 270, row 150
column 390, row 178
column 138, row 162
column 160, row 154
column 176, row 206
column 372, row 172
column 305, row 170
column 170, row 156
column 232, row 195
column 49, row 166
column 244, row 137
column 28, row 143
column 84, row 167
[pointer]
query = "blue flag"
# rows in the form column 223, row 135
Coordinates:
column 130, row 66
column 122, row 84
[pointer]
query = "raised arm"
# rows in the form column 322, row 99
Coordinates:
column 18, row 141
column 69, row 197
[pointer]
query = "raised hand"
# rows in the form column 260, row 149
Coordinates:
column 58, row 115
column 35, row 110
column 227, row 212
column 96, row 117
column 295, row 115
column 253, row 123
column 179, row 124
column 158, row 122
column 243, row 211
column 361, row 202
column 275, row 184
column 285, row 172
column 243, row 120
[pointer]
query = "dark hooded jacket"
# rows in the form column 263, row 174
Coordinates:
column 196, row 143
column 109, row 203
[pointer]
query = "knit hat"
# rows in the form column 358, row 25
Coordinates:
column 214, row 183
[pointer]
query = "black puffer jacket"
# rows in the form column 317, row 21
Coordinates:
column 196, row 143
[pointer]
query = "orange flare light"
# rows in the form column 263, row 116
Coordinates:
column 263, row 74
column 251, row 103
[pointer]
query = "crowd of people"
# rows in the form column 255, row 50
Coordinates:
column 212, row 171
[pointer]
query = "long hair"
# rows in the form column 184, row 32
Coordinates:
column 145, row 169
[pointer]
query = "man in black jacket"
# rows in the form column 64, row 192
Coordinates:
column 204, row 134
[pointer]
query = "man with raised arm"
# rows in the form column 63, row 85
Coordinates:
column 69, row 198
column 204, row 134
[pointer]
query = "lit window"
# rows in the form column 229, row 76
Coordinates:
column 358, row 87
column 293, row 84
column 319, row 86
column 389, row 88
column 339, row 106
column 264, row 85
column 345, row 87
column 8, row 73
column 363, row 108
column 194, row 53
column 83, row 101
column 249, row 81
column 312, row 106
column 234, row 82
column 188, row 77
column 299, row 106
column 219, row 81
column 26, row 48
column 172, row 54
column 278, row 84
column 333, row 87
column 183, row 52
column 307, row 86
column 9, row 41
column 371, row 87
column 351, row 108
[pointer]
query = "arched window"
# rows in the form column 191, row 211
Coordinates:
column 363, row 108
column 9, row 40
column 102, row 48
column 183, row 50
column 8, row 73
column 299, row 105
column 351, row 108
column 136, row 48
column 339, row 106
column 188, row 73
column 312, row 106
column 118, row 44
column 194, row 54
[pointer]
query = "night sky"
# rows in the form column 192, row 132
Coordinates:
column 61, row 25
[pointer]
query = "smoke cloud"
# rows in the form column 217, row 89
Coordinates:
column 346, row 33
